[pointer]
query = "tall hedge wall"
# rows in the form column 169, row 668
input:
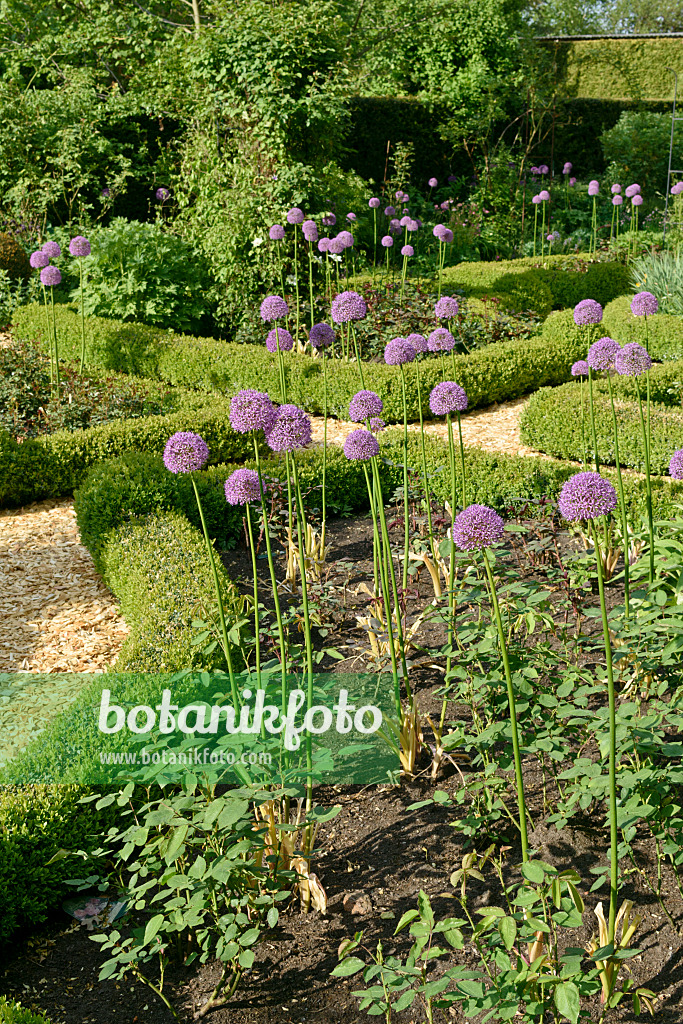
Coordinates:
column 618, row 69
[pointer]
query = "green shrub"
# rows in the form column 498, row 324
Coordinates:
column 13, row 259
column 15, row 1013
column 665, row 331
column 637, row 149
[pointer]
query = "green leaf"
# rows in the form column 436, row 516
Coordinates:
column 533, row 872
column 568, row 1001
column 273, row 917
column 153, row 926
column 409, row 916
column 348, row 967
column 507, row 927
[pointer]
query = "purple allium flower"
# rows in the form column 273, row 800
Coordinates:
column 615, row 189
column 617, row 200
column 346, row 238
column 351, row 216
column 185, row 452
column 324, row 244
column 38, row 259
column 252, row 410
column 413, row 225
column 279, row 336
column 536, row 200
column 309, row 229
column 50, row 276
column 444, row 206
column 637, row 200
column 447, row 236
column 398, row 351
column 348, row 306
column 373, row 203
column 433, row 182
column 567, row 167
column 580, row 368
column 593, row 187
column 291, row 430
column 572, row 181
column 588, row 311
column 389, row 211
column 586, row 496
column 601, row 354
column 394, row 227
column 336, row 246
column 52, row 249
column 644, row 304
column 361, row 445
column 377, row 425
column 447, row 397
column 162, row 195
column 329, row 220
column 364, row 405
column 418, row 341
column 295, row 216
column 321, row 335
column 676, row 465
column 440, row 340
column 677, row 188
column 242, row 486
column 631, row 190
column 399, row 194
column 387, row 241
column 544, row 196
column 273, row 308
column 438, row 231
column 407, row 250
column 535, row 170
column 477, row 526
column 276, row 233
column 446, row 307
column 404, row 221
column 542, row 168
column 79, row 246
column 632, row 360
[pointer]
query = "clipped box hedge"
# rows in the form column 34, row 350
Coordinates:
column 664, row 330
column 15, row 1013
column 551, row 423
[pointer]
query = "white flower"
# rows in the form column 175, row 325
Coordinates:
column 256, row 242
column 335, row 257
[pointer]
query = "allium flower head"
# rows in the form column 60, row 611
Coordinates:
column 572, row 181
column 413, row 225
column 440, row 340
column 329, row 220
column 447, row 397
column 377, row 425
column 52, row 249
column 593, row 187
column 295, row 216
column 407, row 250
column 373, row 203
column 162, row 195
column 348, row 306
column 588, row 311
column 50, row 276
column 252, row 410
column 617, row 200
column 418, row 341
column 364, row 405
column 631, row 190
column 291, row 430
column 351, row 216
column 446, row 307
column 273, row 308
column 542, row 168
column 586, row 496
column 336, row 246
column 394, row 227
column 580, row 368
column 477, row 526
column 632, row 360
column 567, row 167
column 321, row 335
column 242, row 486
column 637, row 200
column 536, row 200
column 544, row 196
column 398, row 351
column 535, row 170
column 389, row 211
column 438, row 231
column 79, row 246
column 276, row 233
column 346, row 238
column 387, row 241
column 602, row 353
column 644, row 304
column 615, row 189
column 677, row 188
column 676, row 465
column 404, row 221
column 38, row 259
column 433, row 182
column 361, row 445
column 279, row 336
column 323, row 244
column 309, row 229
column 185, row 452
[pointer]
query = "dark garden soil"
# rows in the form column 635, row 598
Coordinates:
column 373, row 859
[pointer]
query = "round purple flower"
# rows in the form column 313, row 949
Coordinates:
column 637, row 200
column 615, row 189
column 399, row 194
column 536, row 200
column 273, row 308
column 567, row 167
column 310, row 230
column 364, row 405
column 351, row 216
column 276, row 233
column 404, row 221
column 432, row 182
column 588, row 311
column 586, row 496
column 617, row 200
column 542, row 168
column 162, row 195
column 279, row 336
column 79, row 246
column 295, row 216
column 632, row 360
column 252, row 410
column 50, row 276
column 631, row 190
column 242, row 486
column 52, row 249
column 677, row 188
column 348, row 306
column 446, row 307
column 373, row 203
column 438, row 231
column 544, row 196
column 346, row 238
column 407, row 250
column 291, row 430
column 447, row 397
column 418, row 341
column 580, row 368
column 644, row 304
column 572, row 181
column 440, row 340
column 329, row 220
column 387, row 241
column 477, row 526
column 676, row 465
column 321, row 335
column 361, row 445
column 336, row 246
column 324, row 244
column 601, row 354
column 185, row 452
column 38, row 259
column 535, row 170
column 398, row 351
column 394, row 227
column 447, row 236
column 377, row 425
column 413, row 225
column 389, row 211
column 593, row 187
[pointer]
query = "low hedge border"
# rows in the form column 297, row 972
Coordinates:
column 551, row 423
column 15, row 1013
column 663, row 332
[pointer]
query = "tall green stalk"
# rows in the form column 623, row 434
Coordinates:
column 451, row 568
column 592, row 412
column 273, row 581
column 257, row 635
column 80, row 267
column 622, row 502
column 310, row 279
column 296, row 284
column 645, row 428
column 406, row 502
column 425, row 479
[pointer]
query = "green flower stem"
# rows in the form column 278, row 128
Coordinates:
column 451, row 570
column 425, row 479
column 406, row 503
column 280, row 265
column 622, row 502
column 219, row 597
column 543, row 231
column 614, row 838
column 54, row 342
column 310, row 278
column 521, row 805
column 273, row 581
column 357, row 351
column 301, row 530
column 252, row 548
column 583, row 425
column 535, row 226
column 48, row 326
column 462, row 464
column 441, row 261
column 592, row 413
column 644, row 425
column 374, row 246
column 324, row 447
column 80, row 266
column 296, row 284
column 403, row 277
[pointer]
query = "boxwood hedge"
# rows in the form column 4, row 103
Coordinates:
column 15, row 1013
column 663, row 332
